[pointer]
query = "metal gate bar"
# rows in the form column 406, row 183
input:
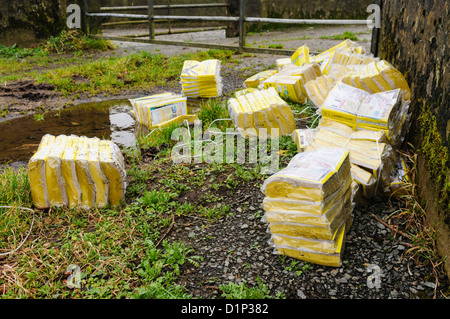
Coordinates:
column 241, row 19
column 172, row 6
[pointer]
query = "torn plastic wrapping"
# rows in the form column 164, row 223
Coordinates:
column 282, row 62
column 303, row 137
column 76, row 171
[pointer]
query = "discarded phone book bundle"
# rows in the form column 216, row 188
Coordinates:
column 308, row 206
column 156, row 111
column 254, row 109
column 201, row 79
column 75, row 171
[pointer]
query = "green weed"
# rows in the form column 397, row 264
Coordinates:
column 343, row 36
column 242, row 291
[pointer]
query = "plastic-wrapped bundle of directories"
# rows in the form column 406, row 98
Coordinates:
column 160, row 109
column 290, row 80
column 308, row 206
column 76, row 171
column 377, row 77
column 386, row 111
column 201, row 79
column 342, row 104
column 261, row 109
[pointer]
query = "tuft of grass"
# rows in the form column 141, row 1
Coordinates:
column 15, row 187
column 343, row 36
column 276, row 46
column 411, row 215
column 75, row 41
column 212, row 110
column 243, row 291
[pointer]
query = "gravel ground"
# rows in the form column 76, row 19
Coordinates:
column 291, row 39
column 236, row 249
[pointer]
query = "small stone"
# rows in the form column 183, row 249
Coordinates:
column 429, row 284
column 300, row 294
column 244, row 226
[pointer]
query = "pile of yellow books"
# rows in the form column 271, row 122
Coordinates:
column 76, row 171
column 261, row 109
column 201, row 79
column 160, row 109
column 370, row 155
column 308, row 206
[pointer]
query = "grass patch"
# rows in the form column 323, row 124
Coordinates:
column 343, row 36
column 113, row 75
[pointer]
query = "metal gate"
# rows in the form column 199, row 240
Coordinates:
column 242, row 19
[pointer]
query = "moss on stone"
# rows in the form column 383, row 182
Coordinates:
column 436, row 157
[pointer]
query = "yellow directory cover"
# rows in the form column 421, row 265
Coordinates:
column 301, row 56
column 68, row 170
column 342, row 104
column 55, row 182
column 310, row 175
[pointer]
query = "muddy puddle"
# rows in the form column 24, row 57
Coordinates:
column 20, row 137
column 111, row 119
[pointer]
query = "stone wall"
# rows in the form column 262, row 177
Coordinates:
column 319, row 9
column 27, row 22
column 414, row 37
